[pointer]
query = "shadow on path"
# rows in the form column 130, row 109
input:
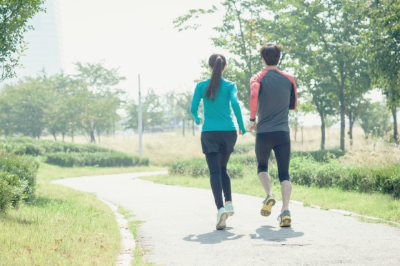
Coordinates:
column 214, row 237
column 267, row 233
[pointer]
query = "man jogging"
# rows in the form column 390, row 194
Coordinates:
column 273, row 93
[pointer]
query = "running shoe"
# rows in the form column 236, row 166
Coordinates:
column 229, row 209
column 222, row 215
column 285, row 219
column 268, row 203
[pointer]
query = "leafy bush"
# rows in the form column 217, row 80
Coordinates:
column 17, row 179
column 11, row 190
column 101, row 159
column 319, row 155
column 198, row 168
column 34, row 147
column 243, row 148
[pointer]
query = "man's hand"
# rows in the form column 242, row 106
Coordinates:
column 252, row 125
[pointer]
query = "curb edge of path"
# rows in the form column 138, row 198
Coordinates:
column 125, row 256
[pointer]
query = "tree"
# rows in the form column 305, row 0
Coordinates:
column 98, row 98
column 330, row 31
column 184, row 101
column 382, row 44
column 238, row 35
column 23, row 107
column 14, row 17
column 153, row 111
column 374, row 119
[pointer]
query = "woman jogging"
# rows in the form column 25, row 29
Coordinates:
column 219, row 134
column 272, row 94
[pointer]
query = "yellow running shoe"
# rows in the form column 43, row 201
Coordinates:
column 268, row 203
column 285, row 220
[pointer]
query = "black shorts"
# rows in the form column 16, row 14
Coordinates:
column 279, row 141
column 218, row 141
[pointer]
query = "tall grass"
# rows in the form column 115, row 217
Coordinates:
column 165, row 148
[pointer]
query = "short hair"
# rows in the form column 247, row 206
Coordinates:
column 271, row 52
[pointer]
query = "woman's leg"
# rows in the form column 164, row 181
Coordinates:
column 225, row 178
column 213, row 162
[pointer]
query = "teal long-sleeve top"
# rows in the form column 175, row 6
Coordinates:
column 217, row 112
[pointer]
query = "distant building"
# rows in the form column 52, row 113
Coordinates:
column 44, row 43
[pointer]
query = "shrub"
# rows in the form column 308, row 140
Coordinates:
column 17, row 179
column 11, row 190
column 242, row 148
column 100, row 159
column 319, row 155
column 198, row 168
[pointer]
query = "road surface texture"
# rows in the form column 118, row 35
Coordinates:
column 179, row 228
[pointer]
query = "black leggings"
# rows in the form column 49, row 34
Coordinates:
column 279, row 141
column 219, row 178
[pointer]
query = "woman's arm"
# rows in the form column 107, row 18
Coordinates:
column 236, row 108
column 195, row 105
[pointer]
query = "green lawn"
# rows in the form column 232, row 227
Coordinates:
column 374, row 204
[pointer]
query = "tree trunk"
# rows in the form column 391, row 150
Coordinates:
column 183, row 127
column 92, row 137
column 351, row 123
column 342, row 119
column 395, row 133
column 193, row 127
column 302, row 139
column 322, row 132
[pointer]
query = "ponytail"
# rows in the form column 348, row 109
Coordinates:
column 217, row 62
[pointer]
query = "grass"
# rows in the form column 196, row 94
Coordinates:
column 62, row 226
column 374, row 204
column 133, row 226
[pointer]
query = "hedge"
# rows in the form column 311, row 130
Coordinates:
column 100, row 159
column 34, row 147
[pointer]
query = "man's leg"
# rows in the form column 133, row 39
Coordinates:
column 282, row 155
column 286, row 189
column 265, row 181
column 263, row 150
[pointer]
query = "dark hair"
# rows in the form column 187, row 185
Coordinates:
column 271, row 52
column 217, row 62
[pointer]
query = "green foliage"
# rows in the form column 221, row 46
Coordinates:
column 243, row 148
column 14, row 17
column 70, row 154
column 100, row 159
column 61, row 104
column 198, row 168
column 34, row 147
column 374, row 119
column 314, row 168
column 309, row 172
column 319, row 155
column 17, row 180
column 11, row 190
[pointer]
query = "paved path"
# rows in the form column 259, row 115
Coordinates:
column 179, row 228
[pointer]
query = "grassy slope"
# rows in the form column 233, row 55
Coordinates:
column 63, row 226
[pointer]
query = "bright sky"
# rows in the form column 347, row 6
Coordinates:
column 138, row 38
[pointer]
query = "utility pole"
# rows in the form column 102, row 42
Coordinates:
column 140, row 130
